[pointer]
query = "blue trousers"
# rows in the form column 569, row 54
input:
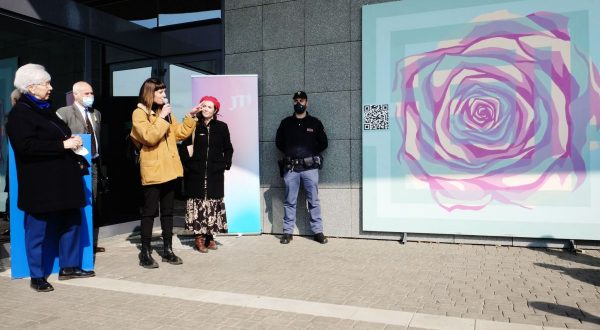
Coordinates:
column 310, row 180
column 43, row 232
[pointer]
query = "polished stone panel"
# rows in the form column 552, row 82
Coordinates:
column 283, row 71
column 328, row 67
column 243, row 30
column 327, row 21
column 283, row 25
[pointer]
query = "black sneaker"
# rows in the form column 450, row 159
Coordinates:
column 286, row 238
column 321, row 238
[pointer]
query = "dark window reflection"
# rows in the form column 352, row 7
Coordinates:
column 159, row 13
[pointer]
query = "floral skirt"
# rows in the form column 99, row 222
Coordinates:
column 205, row 216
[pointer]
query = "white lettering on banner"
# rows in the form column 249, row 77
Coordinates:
column 240, row 101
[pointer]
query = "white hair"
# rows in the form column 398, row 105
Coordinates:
column 78, row 86
column 15, row 96
column 30, row 74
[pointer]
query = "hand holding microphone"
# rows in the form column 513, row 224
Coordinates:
column 165, row 112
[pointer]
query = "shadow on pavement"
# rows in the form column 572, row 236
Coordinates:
column 186, row 237
column 135, row 239
column 189, row 240
column 591, row 276
column 563, row 310
column 4, row 264
column 581, row 258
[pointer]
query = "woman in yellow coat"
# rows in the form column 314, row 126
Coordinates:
column 156, row 131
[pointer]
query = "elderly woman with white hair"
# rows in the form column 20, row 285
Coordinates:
column 51, row 190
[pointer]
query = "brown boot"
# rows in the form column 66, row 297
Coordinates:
column 200, row 244
column 212, row 245
column 210, row 242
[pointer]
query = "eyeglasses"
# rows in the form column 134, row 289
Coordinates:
column 45, row 84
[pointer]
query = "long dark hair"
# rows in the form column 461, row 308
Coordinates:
column 147, row 90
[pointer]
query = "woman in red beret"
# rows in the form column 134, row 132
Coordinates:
column 209, row 153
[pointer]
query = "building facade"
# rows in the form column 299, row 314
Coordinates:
column 308, row 45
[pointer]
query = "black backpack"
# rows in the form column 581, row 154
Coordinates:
column 132, row 151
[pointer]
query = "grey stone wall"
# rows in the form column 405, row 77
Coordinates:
column 310, row 45
column 314, row 45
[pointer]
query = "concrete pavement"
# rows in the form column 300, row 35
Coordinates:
column 255, row 282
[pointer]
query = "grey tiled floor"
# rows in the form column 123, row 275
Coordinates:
column 255, row 282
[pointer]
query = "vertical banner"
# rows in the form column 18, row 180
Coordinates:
column 238, row 95
column 482, row 117
column 18, row 256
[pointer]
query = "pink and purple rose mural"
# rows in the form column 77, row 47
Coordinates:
column 500, row 114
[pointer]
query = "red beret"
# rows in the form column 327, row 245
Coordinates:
column 213, row 100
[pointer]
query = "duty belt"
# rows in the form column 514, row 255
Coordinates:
column 305, row 163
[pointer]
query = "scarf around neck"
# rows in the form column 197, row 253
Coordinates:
column 40, row 103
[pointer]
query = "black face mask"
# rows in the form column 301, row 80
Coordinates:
column 299, row 108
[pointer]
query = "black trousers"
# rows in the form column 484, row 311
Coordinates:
column 158, row 196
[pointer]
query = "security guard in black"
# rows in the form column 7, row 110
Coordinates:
column 301, row 137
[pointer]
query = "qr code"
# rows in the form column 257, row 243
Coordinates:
column 376, row 116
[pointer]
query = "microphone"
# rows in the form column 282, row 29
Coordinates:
column 166, row 102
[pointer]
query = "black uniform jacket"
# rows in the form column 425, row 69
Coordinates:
column 204, row 172
column 299, row 138
column 48, row 174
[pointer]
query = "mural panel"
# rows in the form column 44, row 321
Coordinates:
column 481, row 118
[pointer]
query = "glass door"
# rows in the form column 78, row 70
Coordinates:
column 126, row 78
column 123, row 202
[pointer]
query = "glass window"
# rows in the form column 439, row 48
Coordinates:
column 180, row 89
column 173, row 19
column 128, row 82
column 160, row 13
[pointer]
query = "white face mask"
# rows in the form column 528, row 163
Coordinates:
column 87, row 101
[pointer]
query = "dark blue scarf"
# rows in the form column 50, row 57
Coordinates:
column 41, row 104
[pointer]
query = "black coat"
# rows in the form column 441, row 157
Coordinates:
column 204, row 172
column 299, row 138
column 48, row 174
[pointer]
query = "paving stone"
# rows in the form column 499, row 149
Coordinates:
column 395, row 327
column 555, row 324
column 559, row 319
column 493, row 314
column 361, row 273
column 584, row 325
column 538, row 318
column 500, row 319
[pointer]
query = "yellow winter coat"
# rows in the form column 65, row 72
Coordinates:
column 159, row 159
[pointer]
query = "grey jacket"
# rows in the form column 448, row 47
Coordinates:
column 72, row 116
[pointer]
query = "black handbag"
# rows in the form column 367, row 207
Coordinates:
column 84, row 165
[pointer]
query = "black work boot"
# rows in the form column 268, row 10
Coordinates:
column 286, row 239
column 321, row 238
column 146, row 259
column 168, row 254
